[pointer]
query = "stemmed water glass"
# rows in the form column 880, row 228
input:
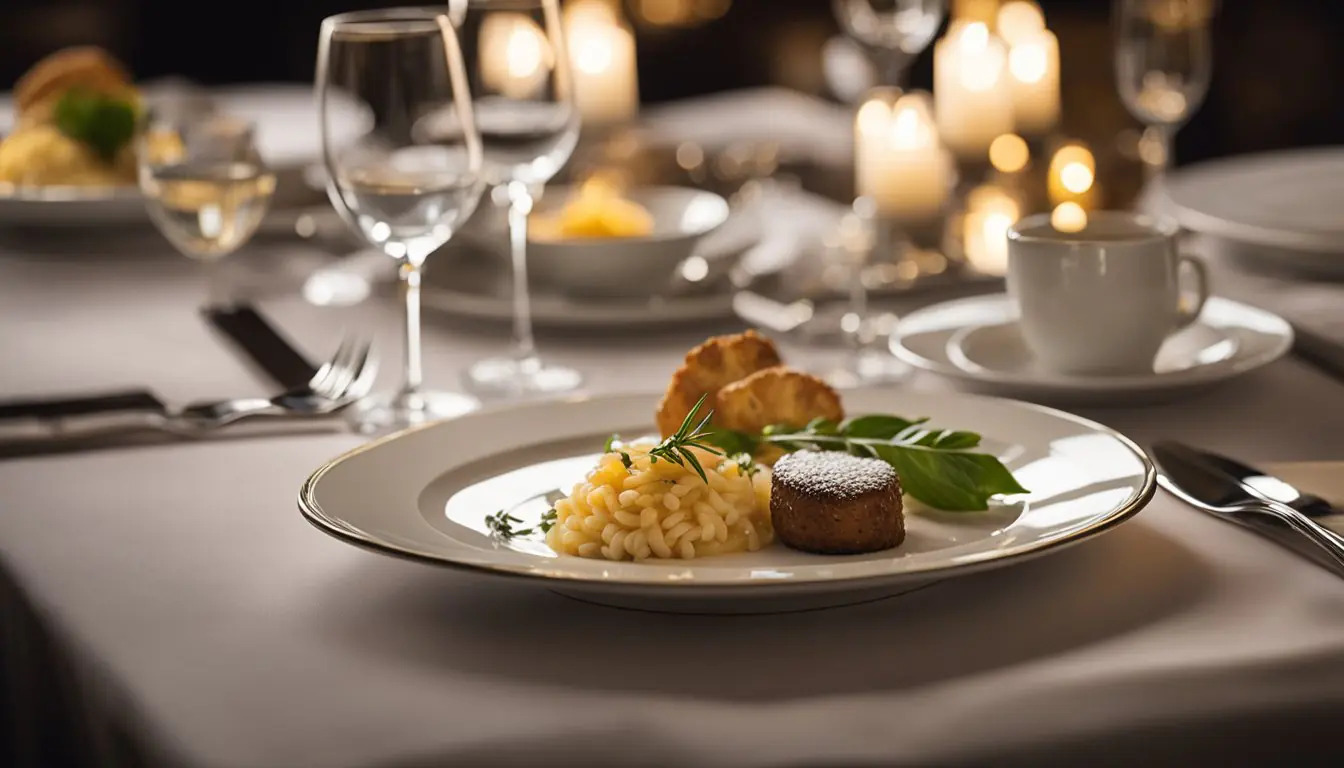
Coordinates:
column 1163, row 63
column 409, row 183
column 205, row 186
column 893, row 32
column 520, row 78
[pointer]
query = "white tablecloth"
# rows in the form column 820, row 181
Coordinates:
column 230, row 633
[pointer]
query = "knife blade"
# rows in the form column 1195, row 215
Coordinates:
column 80, row 405
column 261, row 344
column 1267, row 486
column 1191, row 477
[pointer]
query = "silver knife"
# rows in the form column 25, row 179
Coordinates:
column 253, row 334
column 1266, row 486
column 1193, row 478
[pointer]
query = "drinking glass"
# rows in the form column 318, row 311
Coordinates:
column 524, row 99
column 408, row 184
column 893, row 32
column 1163, row 63
column 205, row 186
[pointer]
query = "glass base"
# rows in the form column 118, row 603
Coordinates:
column 870, row 368
column 399, row 410
column 505, row 377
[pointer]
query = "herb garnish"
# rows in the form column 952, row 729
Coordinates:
column 936, row 466
column 676, row 448
column 501, row 525
column 104, row 123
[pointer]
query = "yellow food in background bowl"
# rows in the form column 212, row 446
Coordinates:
column 596, row 212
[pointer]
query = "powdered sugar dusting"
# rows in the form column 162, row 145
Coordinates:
column 834, row 475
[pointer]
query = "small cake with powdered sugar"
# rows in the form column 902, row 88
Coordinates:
column 828, row 502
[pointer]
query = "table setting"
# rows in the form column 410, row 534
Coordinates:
column 458, row 407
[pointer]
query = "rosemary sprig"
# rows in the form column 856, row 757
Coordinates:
column 501, row 525
column 676, row 447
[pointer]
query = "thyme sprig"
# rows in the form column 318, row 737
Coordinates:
column 501, row 525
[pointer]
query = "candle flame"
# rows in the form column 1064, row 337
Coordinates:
column 1076, row 177
column 1068, row 217
column 1009, row 153
column 872, row 117
column 975, row 37
column 1019, row 20
column 1028, row 62
column 524, row 52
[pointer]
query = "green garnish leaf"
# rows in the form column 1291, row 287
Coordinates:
column 611, row 442
column 104, row 123
column 935, row 465
column 876, row 425
column 676, row 447
column 501, row 525
column 733, row 442
column 626, row 460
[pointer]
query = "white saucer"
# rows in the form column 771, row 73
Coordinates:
column 976, row 343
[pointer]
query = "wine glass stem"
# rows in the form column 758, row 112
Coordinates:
column 1166, row 142
column 520, row 207
column 414, row 372
column 217, row 293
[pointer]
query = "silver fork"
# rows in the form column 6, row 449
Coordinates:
column 339, row 382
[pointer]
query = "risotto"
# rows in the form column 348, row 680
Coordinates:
column 660, row 510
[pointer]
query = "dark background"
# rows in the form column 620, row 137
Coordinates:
column 1278, row 73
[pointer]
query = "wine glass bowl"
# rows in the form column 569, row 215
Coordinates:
column 892, row 31
column 204, row 182
column 518, row 67
column 205, row 186
column 414, row 178
column 1163, row 64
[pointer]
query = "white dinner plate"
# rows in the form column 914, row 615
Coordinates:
column 288, row 137
column 1287, row 201
column 951, row 340
column 424, row 494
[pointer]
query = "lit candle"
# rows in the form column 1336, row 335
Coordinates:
column 1033, row 63
column 983, row 11
column 1072, row 176
column 990, row 211
column 602, row 58
column 515, row 55
column 1017, row 20
column 973, row 100
column 899, row 162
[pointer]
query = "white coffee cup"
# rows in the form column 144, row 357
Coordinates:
column 1101, row 300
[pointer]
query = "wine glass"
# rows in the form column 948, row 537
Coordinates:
column 408, row 184
column 205, row 186
column 893, row 32
column 524, row 99
column 1163, row 63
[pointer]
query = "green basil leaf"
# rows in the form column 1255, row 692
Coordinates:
column 953, row 481
column 876, row 426
column 732, row 442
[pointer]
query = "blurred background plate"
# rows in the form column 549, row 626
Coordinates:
column 472, row 285
column 1281, row 208
column 288, row 136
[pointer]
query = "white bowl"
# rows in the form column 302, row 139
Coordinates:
column 627, row 266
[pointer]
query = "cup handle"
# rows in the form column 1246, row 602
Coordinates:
column 1185, row 314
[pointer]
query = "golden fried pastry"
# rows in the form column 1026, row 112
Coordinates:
column 718, row 362
column 775, row 396
column 85, row 67
column 41, row 155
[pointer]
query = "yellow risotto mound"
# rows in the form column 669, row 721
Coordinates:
column 661, row 510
